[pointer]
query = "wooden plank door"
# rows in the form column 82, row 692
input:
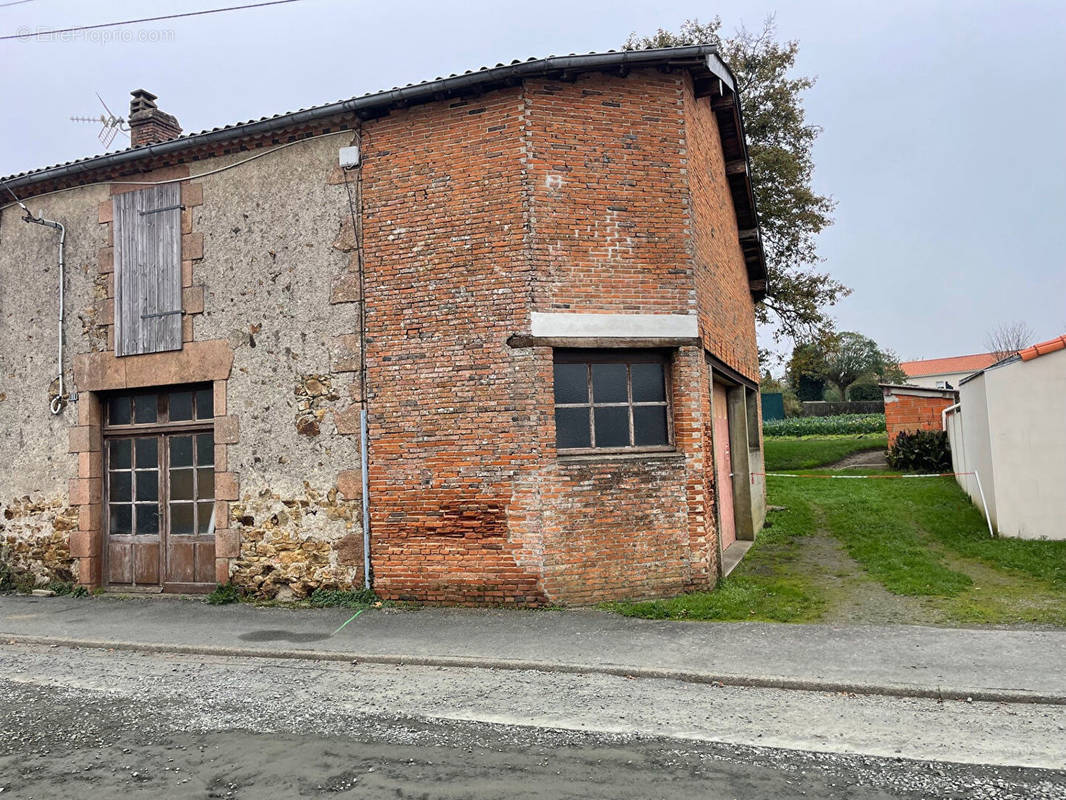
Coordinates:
column 134, row 541
column 190, row 529
column 723, row 465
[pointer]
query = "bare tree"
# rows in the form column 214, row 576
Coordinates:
column 1008, row 339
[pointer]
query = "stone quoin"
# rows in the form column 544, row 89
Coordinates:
column 539, row 281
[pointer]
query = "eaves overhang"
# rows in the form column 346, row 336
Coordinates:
column 711, row 78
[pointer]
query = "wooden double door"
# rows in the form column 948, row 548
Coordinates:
column 159, row 490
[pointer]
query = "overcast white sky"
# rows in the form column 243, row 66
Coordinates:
column 944, row 122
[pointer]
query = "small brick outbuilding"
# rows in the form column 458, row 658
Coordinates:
column 915, row 408
column 535, row 286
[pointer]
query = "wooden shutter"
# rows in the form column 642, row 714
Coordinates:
column 148, row 270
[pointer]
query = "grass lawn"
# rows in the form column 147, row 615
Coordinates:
column 880, row 551
column 808, row 452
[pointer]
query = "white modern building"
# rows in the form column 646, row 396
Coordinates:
column 1009, row 427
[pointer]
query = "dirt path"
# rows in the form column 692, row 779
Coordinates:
column 868, row 459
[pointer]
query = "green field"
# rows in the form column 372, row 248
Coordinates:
column 808, row 452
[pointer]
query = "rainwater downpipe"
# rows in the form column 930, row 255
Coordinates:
column 977, row 477
column 56, row 404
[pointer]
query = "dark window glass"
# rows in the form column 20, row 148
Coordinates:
column 205, row 484
column 612, row 426
column 147, row 453
column 205, row 402
column 147, row 518
column 118, row 411
column 121, row 487
column 120, row 453
column 121, row 518
column 181, row 484
column 571, row 383
column 203, row 516
column 572, row 428
column 145, row 408
column 181, row 518
column 628, row 406
column 181, row 451
column 205, row 449
column 180, row 406
column 649, row 426
column 609, row 385
column 648, row 383
column 147, row 485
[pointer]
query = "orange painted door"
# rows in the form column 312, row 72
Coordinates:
column 723, row 466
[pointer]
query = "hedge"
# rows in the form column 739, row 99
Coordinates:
column 815, row 426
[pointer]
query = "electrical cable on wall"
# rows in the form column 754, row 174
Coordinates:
column 364, row 427
column 59, row 400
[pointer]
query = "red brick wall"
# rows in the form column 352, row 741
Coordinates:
column 909, row 413
column 569, row 196
column 726, row 308
column 607, row 194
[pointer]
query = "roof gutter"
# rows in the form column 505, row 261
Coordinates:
column 705, row 55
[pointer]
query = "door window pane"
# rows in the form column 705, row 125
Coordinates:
column 144, row 408
column 147, row 485
column 205, row 484
column 147, row 518
column 648, row 384
column 118, row 411
column 181, row 518
column 119, row 452
column 203, row 516
column 181, row 451
column 120, row 488
column 572, row 428
column 649, row 426
column 205, row 449
column 121, row 518
column 181, row 484
column 180, row 406
column 612, row 426
column 609, row 384
column 571, row 383
column 147, row 453
column 205, row 401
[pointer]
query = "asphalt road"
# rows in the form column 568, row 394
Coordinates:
column 92, row 723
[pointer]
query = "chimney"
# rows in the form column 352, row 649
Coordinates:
column 149, row 125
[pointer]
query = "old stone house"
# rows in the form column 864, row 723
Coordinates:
column 537, row 281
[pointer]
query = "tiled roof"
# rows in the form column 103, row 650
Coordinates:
column 938, row 366
column 486, row 72
column 1042, row 349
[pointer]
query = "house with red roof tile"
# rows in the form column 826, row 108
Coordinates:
column 945, row 373
column 1008, row 441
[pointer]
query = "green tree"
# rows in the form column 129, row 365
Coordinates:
column 806, row 371
column 780, row 144
column 848, row 357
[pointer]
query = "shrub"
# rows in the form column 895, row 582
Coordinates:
column 224, row 594
column 825, row 426
column 327, row 598
column 865, row 391
column 921, row 451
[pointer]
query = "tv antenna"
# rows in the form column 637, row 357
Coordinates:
column 111, row 125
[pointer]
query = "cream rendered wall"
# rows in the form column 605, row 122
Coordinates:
column 1026, row 403
column 969, row 425
column 930, row 381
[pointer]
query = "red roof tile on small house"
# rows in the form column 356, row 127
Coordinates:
column 937, row 366
column 1042, row 349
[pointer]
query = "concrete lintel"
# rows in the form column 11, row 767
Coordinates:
column 626, row 326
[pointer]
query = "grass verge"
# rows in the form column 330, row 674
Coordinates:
column 809, row 452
